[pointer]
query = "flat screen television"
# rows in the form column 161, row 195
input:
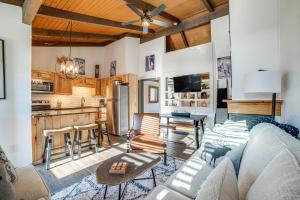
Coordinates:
column 189, row 83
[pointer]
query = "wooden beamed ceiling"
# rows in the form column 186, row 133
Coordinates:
column 98, row 23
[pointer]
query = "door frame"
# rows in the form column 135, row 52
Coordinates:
column 141, row 92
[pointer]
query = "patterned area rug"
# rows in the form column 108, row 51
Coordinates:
column 88, row 188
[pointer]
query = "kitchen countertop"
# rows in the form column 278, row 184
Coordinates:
column 65, row 111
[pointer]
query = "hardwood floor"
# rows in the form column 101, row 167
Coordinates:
column 64, row 172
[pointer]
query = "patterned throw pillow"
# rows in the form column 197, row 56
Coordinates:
column 10, row 169
column 7, row 189
column 286, row 127
column 290, row 129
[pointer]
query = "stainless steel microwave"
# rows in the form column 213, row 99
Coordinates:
column 42, row 86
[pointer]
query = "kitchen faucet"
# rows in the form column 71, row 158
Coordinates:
column 82, row 101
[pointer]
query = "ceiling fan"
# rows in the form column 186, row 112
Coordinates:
column 146, row 17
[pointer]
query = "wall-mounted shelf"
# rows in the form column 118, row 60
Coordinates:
column 189, row 99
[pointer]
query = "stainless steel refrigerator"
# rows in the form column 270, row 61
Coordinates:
column 119, row 107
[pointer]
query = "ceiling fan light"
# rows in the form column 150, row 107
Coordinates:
column 145, row 23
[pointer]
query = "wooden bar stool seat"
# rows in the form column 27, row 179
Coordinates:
column 103, row 131
column 58, row 131
column 86, row 127
column 91, row 129
column 49, row 134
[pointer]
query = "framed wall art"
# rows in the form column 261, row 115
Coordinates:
column 150, row 63
column 153, row 94
column 224, row 67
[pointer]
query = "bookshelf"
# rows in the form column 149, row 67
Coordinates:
column 189, row 99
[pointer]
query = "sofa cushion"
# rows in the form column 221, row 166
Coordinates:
column 163, row 193
column 7, row 190
column 189, row 177
column 266, row 141
column 279, row 180
column 11, row 171
column 27, row 178
column 221, row 184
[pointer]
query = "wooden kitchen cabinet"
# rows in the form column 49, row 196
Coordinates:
column 104, row 83
column 41, row 74
column 79, row 82
column 85, row 82
column 90, row 82
column 62, row 86
column 55, row 122
column 98, row 88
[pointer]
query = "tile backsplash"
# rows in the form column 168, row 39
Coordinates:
column 73, row 100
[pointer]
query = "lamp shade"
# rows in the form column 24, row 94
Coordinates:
column 263, row 82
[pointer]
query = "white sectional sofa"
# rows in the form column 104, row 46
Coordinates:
column 269, row 169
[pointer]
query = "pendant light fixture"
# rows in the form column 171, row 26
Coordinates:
column 67, row 67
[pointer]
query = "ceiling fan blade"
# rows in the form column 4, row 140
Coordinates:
column 160, row 23
column 145, row 29
column 130, row 22
column 135, row 9
column 158, row 10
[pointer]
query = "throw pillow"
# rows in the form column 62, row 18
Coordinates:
column 253, row 122
column 7, row 190
column 235, row 155
column 279, row 180
column 221, row 184
column 286, row 127
column 10, row 169
column 290, row 129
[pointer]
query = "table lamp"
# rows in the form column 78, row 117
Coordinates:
column 264, row 82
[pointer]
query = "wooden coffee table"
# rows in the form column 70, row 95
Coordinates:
column 139, row 163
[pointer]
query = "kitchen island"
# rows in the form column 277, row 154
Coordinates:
column 58, row 118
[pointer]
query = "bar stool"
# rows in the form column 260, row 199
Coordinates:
column 91, row 129
column 103, row 132
column 49, row 134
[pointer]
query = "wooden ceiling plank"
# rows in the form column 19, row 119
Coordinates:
column 62, row 14
column 30, row 9
column 13, row 2
column 143, row 5
column 185, row 25
column 129, row 35
column 208, row 5
column 73, row 44
column 58, row 33
column 185, row 41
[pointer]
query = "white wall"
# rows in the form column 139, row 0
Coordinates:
column 220, row 37
column 157, row 48
column 15, row 115
column 193, row 60
column 290, row 59
column 151, row 107
column 255, row 36
column 125, row 52
column 45, row 57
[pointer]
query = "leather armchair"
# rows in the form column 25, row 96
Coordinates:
column 145, row 134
